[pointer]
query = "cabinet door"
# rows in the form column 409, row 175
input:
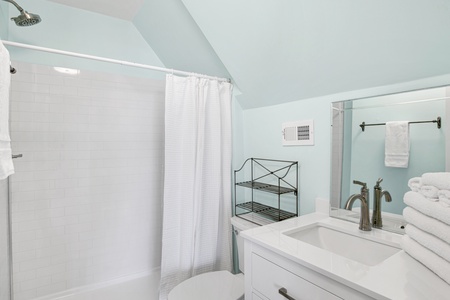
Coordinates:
column 268, row 278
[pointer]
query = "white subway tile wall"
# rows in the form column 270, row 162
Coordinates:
column 87, row 194
column 4, row 241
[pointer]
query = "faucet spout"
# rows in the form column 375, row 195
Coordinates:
column 364, row 221
column 379, row 193
column 351, row 200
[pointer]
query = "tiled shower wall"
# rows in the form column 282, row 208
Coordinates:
column 86, row 196
column 4, row 242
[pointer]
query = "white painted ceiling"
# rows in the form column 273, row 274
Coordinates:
column 125, row 9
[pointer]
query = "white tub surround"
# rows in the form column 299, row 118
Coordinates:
column 86, row 195
column 142, row 286
column 321, row 273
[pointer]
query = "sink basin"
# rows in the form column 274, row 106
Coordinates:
column 353, row 247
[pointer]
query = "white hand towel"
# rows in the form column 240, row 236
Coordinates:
column 430, row 192
column 396, row 147
column 427, row 224
column 6, row 165
column 429, row 241
column 429, row 208
column 444, row 197
column 441, row 180
column 428, row 258
column 415, row 183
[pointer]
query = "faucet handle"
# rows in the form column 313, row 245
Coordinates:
column 378, row 182
column 364, row 185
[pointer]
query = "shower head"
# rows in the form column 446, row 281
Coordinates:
column 25, row 18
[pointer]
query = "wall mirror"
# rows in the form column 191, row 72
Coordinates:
column 358, row 147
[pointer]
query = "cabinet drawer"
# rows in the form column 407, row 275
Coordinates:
column 268, row 278
column 256, row 297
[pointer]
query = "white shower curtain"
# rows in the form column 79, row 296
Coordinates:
column 197, row 180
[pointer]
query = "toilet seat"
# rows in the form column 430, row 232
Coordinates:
column 220, row 285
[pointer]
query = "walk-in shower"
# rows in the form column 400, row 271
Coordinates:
column 25, row 18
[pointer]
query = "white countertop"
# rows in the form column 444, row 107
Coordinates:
column 397, row 277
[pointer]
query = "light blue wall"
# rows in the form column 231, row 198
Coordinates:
column 76, row 30
column 3, row 20
column 262, row 135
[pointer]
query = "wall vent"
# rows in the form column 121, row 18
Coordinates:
column 299, row 133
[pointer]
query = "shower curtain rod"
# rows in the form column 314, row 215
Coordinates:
column 114, row 61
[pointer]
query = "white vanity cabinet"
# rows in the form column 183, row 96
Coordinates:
column 267, row 272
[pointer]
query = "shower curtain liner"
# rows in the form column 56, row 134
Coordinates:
column 197, row 180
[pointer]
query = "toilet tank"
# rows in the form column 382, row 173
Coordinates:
column 239, row 224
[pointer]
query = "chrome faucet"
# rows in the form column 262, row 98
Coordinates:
column 378, row 193
column 364, row 221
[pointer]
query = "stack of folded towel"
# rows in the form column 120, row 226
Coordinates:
column 427, row 237
column 433, row 186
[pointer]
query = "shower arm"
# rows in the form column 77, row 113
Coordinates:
column 15, row 4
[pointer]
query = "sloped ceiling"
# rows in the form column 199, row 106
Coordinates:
column 176, row 38
column 280, row 51
column 119, row 9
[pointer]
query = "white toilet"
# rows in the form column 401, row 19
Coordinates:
column 220, row 285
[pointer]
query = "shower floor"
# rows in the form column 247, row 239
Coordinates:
column 143, row 288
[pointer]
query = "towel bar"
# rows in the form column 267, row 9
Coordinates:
column 438, row 121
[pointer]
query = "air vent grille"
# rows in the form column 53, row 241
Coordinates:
column 303, row 133
column 298, row 133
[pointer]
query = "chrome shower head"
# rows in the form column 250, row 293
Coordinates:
column 25, row 18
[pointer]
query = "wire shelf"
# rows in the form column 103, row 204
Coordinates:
column 267, row 211
column 263, row 173
column 270, row 188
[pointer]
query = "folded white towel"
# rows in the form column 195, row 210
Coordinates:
column 444, row 197
column 415, row 183
column 396, row 145
column 441, row 180
column 430, row 192
column 429, row 241
column 426, row 257
column 427, row 224
column 429, row 208
column 6, row 164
